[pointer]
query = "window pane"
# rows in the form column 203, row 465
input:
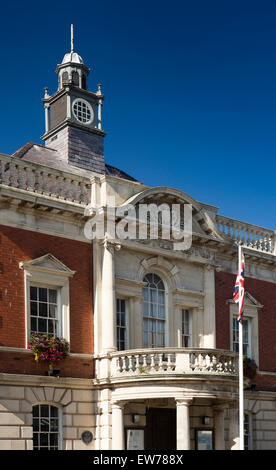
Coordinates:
column 36, row 424
column 161, row 311
column 33, row 308
column 54, row 440
column 51, row 327
column 42, row 294
column 33, row 324
column 52, row 296
column 54, row 424
column 145, row 308
column 42, row 326
column 33, row 293
column 36, row 411
column 42, row 310
column 35, row 440
column 44, row 424
column 44, row 410
column 145, row 294
column 44, row 440
column 53, row 311
column 121, row 324
column 153, row 296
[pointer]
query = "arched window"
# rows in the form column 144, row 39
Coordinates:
column 83, row 82
column 153, row 312
column 46, row 427
column 65, row 78
column 75, row 78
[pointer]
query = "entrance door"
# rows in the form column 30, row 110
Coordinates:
column 160, row 432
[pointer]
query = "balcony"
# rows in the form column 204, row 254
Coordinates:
column 251, row 236
column 175, row 363
column 39, row 183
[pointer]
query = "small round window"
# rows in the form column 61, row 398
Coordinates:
column 83, row 111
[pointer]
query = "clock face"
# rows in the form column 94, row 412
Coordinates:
column 83, row 111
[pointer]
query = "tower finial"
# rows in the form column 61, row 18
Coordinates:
column 72, row 38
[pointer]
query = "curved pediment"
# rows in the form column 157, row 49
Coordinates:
column 161, row 193
column 202, row 222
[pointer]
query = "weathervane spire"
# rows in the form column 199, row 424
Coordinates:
column 72, row 38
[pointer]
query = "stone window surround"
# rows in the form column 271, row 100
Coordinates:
column 251, row 307
column 56, row 276
column 246, row 325
column 176, row 300
column 89, row 111
column 122, row 297
column 60, row 419
column 166, row 293
column 189, row 334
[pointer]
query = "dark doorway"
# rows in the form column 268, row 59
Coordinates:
column 160, row 431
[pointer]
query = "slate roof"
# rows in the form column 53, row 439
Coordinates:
column 42, row 155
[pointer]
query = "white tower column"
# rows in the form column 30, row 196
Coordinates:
column 209, row 322
column 118, row 438
column 219, row 427
column 108, row 298
column 183, row 424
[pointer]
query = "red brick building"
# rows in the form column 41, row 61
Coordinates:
column 152, row 330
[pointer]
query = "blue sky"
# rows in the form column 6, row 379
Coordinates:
column 190, row 90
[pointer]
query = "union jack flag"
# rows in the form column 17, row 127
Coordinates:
column 239, row 287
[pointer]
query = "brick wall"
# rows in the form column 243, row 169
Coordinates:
column 265, row 293
column 24, row 363
column 20, row 245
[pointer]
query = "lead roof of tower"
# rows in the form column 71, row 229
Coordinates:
column 72, row 57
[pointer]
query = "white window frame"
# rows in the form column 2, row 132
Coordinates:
column 251, row 307
column 89, row 107
column 48, row 272
column 248, row 322
column 190, row 333
column 59, row 316
column 60, row 421
column 120, row 298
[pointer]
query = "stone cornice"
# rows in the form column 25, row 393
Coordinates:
column 40, row 381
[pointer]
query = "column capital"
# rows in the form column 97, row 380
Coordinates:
column 111, row 245
column 232, row 405
column 118, row 403
column 183, row 401
column 209, row 267
column 220, row 407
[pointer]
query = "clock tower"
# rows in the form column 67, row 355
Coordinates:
column 73, row 116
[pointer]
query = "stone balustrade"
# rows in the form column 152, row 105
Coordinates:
column 166, row 361
column 251, row 236
column 42, row 180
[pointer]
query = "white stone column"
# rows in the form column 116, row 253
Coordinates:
column 100, row 114
column 108, row 299
column 183, row 424
column 234, row 439
column 46, row 108
column 118, row 438
column 219, row 427
column 209, row 319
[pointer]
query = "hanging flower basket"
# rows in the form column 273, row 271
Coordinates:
column 249, row 368
column 48, row 348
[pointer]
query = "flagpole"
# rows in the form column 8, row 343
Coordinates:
column 241, row 399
